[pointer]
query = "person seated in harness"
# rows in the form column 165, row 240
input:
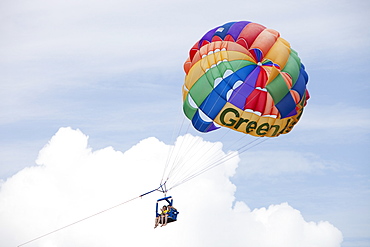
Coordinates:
column 162, row 217
column 170, row 210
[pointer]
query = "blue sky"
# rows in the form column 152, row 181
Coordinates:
column 113, row 70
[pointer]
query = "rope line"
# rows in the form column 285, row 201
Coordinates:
column 187, row 163
column 88, row 217
column 172, row 150
column 227, row 157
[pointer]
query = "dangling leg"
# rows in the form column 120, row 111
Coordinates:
column 162, row 220
column 156, row 221
column 165, row 220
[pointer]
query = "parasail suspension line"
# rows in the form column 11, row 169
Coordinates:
column 161, row 188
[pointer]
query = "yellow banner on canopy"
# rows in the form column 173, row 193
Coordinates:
column 250, row 123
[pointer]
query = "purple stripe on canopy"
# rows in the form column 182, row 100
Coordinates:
column 236, row 29
column 241, row 93
column 208, row 36
column 238, row 99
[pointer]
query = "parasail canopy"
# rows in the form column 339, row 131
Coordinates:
column 245, row 77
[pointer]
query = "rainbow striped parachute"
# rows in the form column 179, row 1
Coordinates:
column 244, row 76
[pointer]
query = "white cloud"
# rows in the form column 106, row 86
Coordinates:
column 277, row 162
column 71, row 181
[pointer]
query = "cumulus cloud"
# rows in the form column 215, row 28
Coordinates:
column 72, row 181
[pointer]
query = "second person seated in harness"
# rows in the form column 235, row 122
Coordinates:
column 169, row 210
